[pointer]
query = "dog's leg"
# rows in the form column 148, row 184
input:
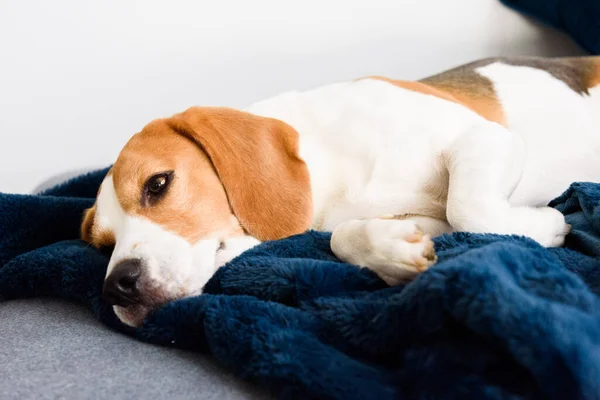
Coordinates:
column 485, row 164
column 395, row 249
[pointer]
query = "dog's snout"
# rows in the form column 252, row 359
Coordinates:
column 121, row 287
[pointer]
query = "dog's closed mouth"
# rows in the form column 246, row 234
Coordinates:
column 133, row 315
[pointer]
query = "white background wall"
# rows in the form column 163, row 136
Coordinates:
column 79, row 77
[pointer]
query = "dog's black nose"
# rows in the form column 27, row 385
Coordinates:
column 121, row 287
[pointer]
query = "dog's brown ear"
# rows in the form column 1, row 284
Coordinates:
column 257, row 161
column 88, row 224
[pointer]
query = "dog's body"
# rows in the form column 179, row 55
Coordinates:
column 383, row 164
column 374, row 148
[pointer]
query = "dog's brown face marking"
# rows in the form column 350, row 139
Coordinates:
column 216, row 172
column 99, row 237
column 191, row 203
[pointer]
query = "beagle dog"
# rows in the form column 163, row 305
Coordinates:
column 383, row 164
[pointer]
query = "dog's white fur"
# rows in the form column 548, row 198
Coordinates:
column 375, row 149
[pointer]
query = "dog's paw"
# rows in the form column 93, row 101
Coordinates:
column 397, row 250
column 545, row 225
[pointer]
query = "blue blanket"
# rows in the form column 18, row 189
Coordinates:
column 579, row 18
column 498, row 317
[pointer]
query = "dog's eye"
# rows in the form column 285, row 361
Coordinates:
column 157, row 184
column 155, row 187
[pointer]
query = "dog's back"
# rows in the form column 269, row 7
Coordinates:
column 481, row 85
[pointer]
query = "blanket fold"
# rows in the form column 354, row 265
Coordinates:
column 498, row 317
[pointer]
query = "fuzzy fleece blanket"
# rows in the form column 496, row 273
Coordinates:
column 498, row 317
column 579, row 18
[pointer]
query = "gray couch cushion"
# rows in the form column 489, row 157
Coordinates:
column 51, row 349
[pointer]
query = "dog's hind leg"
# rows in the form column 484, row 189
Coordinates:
column 485, row 164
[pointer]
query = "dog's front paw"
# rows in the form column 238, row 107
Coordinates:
column 397, row 250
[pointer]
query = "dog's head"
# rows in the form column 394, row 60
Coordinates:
column 189, row 193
